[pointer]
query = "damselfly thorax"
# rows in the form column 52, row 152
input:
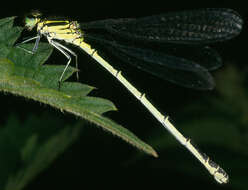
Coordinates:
column 64, row 30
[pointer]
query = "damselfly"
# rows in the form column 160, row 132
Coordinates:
column 131, row 40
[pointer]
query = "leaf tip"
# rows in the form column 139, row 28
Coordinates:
column 155, row 154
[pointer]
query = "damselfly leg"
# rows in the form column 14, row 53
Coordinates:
column 37, row 40
column 63, row 49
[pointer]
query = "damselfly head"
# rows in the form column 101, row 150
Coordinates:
column 32, row 19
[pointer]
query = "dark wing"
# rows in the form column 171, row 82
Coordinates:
column 171, row 68
column 186, row 27
column 205, row 56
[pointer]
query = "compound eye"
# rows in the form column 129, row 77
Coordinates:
column 32, row 19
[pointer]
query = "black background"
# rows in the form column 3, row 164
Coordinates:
column 104, row 162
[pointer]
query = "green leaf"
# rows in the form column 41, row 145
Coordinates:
column 24, row 74
column 28, row 147
column 8, row 34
